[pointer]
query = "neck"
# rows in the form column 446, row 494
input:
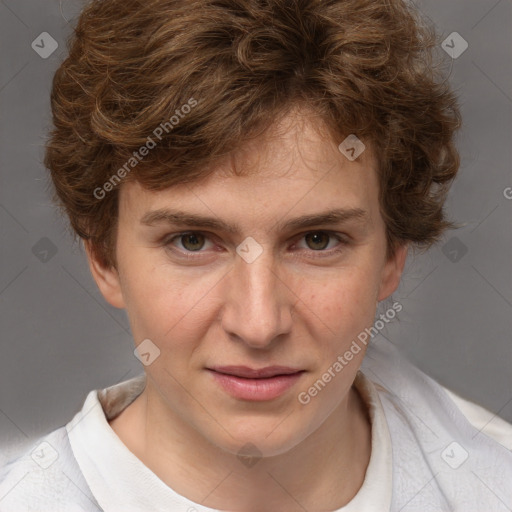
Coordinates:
column 323, row 472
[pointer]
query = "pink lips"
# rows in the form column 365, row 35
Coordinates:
column 255, row 384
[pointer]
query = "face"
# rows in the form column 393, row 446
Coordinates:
column 283, row 267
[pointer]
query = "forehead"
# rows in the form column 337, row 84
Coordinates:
column 299, row 141
column 295, row 165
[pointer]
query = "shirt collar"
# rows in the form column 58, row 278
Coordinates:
column 121, row 481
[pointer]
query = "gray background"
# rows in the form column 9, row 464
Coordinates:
column 60, row 339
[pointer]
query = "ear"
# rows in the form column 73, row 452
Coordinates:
column 107, row 279
column 392, row 272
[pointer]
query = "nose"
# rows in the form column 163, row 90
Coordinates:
column 258, row 303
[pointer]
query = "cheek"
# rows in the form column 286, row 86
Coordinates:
column 344, row 305
column 175, row 310
column 168, row 307
column 337, row 314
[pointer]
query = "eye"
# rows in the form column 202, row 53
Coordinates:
column 319, row 241
column 192, row 241
column 194, row 244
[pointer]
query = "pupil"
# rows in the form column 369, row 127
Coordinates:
column 194, row 241
column 316, row 238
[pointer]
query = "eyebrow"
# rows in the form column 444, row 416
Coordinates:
column 181, row 218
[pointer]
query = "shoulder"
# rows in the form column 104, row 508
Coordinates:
column 426, row 406
column 486, row 422
column 440, row 442
column 409, row 391
column 45, row 477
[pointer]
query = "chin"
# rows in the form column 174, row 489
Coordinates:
column 265, row 441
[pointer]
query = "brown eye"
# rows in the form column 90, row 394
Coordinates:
column 317, row 241
column 192, row 241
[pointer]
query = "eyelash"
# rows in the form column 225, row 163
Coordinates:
column 193, row 255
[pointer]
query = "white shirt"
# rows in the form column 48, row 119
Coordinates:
column 84, row 466
column 121, row 482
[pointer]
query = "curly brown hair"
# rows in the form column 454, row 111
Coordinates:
column 227, row 70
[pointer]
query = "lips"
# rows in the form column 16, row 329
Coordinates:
column 255, row 384
column 251, row 373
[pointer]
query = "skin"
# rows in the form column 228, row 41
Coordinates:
column 290, row 306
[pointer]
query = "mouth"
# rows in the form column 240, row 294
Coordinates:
column 251, row 373
column 254, row 384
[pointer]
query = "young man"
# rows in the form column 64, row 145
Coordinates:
column 247, row 177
